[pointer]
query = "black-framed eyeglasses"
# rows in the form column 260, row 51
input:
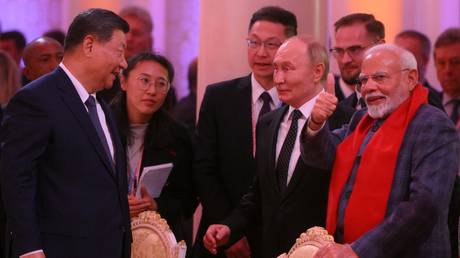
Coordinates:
column 378, row 77
column 271, row 44
column 161, row 85
column 352, row 51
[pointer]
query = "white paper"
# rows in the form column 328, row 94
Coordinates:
column 153, row 178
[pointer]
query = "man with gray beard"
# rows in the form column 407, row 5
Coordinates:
column 394, row 165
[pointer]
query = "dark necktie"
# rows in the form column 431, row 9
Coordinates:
column 265, row 97
column 284, row 157
column 361, row 102
column 455, row 106
column 92, row 111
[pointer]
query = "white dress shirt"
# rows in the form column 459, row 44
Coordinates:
column 84, row 95
column 305, row 109
column 257, row 103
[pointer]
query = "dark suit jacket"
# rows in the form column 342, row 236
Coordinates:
column 415, row 223
column 177, row 199
column 61, row 192
column 284, row 216
column 224, row 163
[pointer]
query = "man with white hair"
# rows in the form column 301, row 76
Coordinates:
column 394, row 165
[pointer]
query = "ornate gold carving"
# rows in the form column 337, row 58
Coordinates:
column 308, row 243
column 152, row 238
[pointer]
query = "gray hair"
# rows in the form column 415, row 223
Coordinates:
column 406, row 58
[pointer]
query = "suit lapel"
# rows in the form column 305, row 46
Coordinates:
column 274, row 128
column 243, row 107
column 297, row 175
column 71, row 98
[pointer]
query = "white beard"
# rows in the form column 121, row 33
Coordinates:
column 384, row 109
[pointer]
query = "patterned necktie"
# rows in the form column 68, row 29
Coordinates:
column 284, row 157
column 92, row 111
column 265, row 97
column 455, row 106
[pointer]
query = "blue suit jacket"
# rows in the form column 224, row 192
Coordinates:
column 415, row 223
column 61, row 192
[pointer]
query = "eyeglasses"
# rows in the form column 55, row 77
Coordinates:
column 378, row 77
column 269, row 44
column 352, row 51
column 161, row 85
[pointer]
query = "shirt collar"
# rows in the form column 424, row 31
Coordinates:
column 257, row 89
column 82, row 92
column 306, row 108
column 347, row 90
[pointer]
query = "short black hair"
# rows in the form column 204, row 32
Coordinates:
column 373, row 27
column 16, row 36
column 448, row 37
column 57, row 34
column 98, row 22
column 153, row 57
column 279, row 15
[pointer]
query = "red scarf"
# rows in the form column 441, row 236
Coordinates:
column 368, row 202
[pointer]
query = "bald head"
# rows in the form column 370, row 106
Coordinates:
column 41, row 56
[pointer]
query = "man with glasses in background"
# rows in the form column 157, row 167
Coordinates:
column 224, row 158
column 354, row 33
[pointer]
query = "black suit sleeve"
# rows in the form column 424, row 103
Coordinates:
column 208, row 184
column 245, row 214
column 24, row 137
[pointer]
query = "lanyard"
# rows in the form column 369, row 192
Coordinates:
column 134, row 175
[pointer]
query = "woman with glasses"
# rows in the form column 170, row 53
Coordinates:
column 151, row 137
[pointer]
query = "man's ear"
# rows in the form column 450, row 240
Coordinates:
column 88, row 45
column 412, row 78
column 318, row 72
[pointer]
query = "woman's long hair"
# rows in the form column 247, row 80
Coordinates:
column 160, row 128
column 9, row 78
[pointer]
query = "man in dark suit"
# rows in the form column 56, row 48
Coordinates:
column 446, row 57
column 63, row 170
column 288, row 196
column 224, row 161
column 399, row 207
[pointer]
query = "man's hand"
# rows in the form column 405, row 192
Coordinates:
column 336, row 251
column 146, row 202
column 34, row 255
column 325, row 105
column 216, row 235
column 239, row 249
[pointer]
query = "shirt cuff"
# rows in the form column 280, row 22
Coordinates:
column 311, row 132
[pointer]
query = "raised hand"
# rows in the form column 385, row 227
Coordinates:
column 325, row 105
